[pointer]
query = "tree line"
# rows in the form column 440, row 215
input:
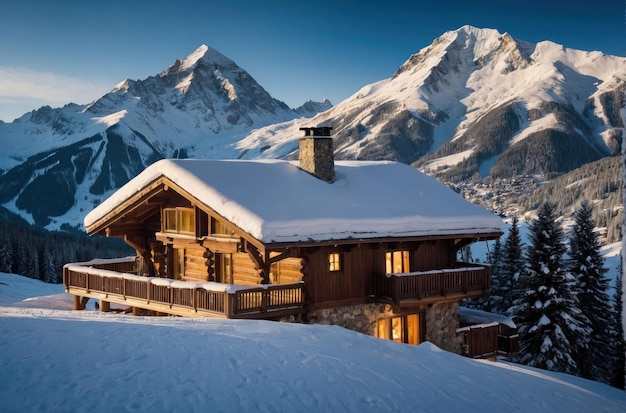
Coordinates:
column 600, row 182
column 558, row 294
column 40, row 254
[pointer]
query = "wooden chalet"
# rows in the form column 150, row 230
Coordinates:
column 371, row 246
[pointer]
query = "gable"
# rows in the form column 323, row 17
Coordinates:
column 143, row 210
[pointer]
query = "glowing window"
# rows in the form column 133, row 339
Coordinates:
column 217, row 227
column 334, row 261
column 397, row 262
column 402, row 329
column 179, row 220
column 224, row 268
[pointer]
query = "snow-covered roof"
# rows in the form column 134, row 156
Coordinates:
column 473, row 316
column 275, row 201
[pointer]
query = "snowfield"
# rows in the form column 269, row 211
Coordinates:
column 58, row 360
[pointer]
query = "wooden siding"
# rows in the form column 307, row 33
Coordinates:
column 360, row 264
column 195, row 267
column 489, row 340
column 290, row 270
column 244, row 271
column 432, row 254
column 351, row 283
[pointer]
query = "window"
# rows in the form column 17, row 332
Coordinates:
column 397, row 262
column 179, row 221
column 334, row 262
column 402, row 329
column 224, row 268
column 218, row 228
column 178, row 263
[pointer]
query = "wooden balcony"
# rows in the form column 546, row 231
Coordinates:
column 424, row 287
column 111, row 282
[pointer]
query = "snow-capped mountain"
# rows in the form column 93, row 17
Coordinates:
column 311, row 108
column 474, row 102
column 59, row 162
column 477, row 101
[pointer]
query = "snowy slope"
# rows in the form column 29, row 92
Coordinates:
column 64, row 361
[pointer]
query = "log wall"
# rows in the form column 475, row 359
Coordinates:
column 290, row 270
column 244, row 271
column 195, row 268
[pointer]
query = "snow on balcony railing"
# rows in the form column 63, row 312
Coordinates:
column 224, row 298
column 462, row 280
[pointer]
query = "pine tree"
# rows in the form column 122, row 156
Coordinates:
column 6, row 255
column 547, row 314
column 587, row 266
column 32, row 263
column 485, row 303
column 48, row 270
column 22, row 262
column 511, row 268
column 618, row 341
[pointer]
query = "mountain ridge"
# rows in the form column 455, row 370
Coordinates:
column 475, row 103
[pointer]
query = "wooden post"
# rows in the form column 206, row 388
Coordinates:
column 265, row 298
column 105, row 306
column 79, row 303
column 137, row 311
column 395, row 289
column 229, row 306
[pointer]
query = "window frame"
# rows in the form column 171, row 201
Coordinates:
column 409, row 328
column 218, row 228
column 335, row 262
column 224, row 267
column 177, row 214
column 391, row 263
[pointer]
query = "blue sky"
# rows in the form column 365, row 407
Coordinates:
column 74, row 51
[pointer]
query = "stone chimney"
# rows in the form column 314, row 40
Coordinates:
column 316, row 153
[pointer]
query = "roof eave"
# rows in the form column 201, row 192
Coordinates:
column 479, row 236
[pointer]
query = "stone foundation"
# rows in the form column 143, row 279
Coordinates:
column 439, row 321
column 361, row 318
column 440, row 324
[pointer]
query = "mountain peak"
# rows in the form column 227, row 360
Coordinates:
column 193, row 58
column 203, row 55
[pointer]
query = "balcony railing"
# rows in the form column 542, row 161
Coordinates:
column 462, row 281
column 95, row 280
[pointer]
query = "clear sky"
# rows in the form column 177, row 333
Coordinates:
column 56, row 52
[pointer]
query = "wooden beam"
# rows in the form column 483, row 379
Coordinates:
column 260, row 264
column 105, row 306
column 279, row 257
column 137, row 242
column 127, row 206
column 80, row 303
column 226, row 245
column 460, row 243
